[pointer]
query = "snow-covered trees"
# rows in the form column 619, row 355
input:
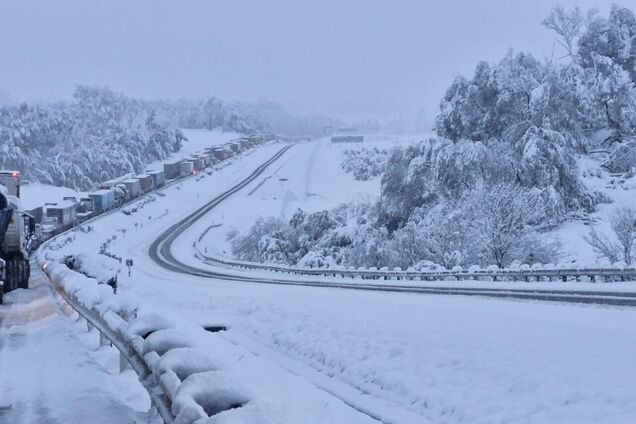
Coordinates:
column 364, row 163
column 567, row 24
column 503, row 169
column 505, row 219
column 504, row 100
column 99, row 135
column 623, row 223
column 595, row 90
column 261, row 116
column 612, row 38
column 621, row 242
column 102, row 134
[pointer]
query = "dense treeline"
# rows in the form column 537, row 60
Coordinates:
column 96, row 136
column 261, row 117
column 501, row 171
column 100, row 134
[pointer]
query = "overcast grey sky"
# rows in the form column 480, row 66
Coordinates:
column 337, row 57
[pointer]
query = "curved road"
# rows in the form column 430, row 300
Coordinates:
column 160, row 252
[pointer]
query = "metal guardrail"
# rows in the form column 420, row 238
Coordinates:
column 115, row 329
column 560, row 274
column 116, row 337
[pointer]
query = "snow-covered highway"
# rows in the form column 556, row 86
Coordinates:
column 53, row 371
column 395, row 356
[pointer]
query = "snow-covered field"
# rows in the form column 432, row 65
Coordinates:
column 402, row 358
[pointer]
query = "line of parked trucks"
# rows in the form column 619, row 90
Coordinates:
column 51, row 219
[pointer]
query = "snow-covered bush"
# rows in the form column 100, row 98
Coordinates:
column 100, row 267
column 365, row 163
column 622, row 240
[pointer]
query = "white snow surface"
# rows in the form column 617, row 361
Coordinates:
column 53, row 371
column 571, row 234
column 35, row 194
column 310, row 177
column 343, row 356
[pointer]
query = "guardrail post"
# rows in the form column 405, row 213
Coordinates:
column 123, row 363
column 89, row 326
column 592, row 278
column 103, row 341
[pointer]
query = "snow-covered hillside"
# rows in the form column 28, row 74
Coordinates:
column 401, row 358
column 311, row 178
column 621, row 191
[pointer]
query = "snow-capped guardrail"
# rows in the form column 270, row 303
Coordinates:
column 184, row 383
column 493, row 273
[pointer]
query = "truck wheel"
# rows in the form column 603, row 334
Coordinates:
column 25, row 273
column 18, row 273
column 11, row 282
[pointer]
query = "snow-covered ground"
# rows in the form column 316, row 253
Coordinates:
column 399, row 357
column 53, row 371
column 572, row 234
column 310, row 177
column 35, row 194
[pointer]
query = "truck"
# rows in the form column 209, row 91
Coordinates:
column 186, row 167
column 17, row 239
column 158, row 177
column 103, row 199
column 347, row 139
column 134, row 187
column 37, row 213
column 172, row 170
column 11, row 180
column 85, row 209
column 64, row 212
column 206, row 158
column 198, row 163
column 146, row 181
column 221, row 153
column 111, row 183
column 234, row 146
